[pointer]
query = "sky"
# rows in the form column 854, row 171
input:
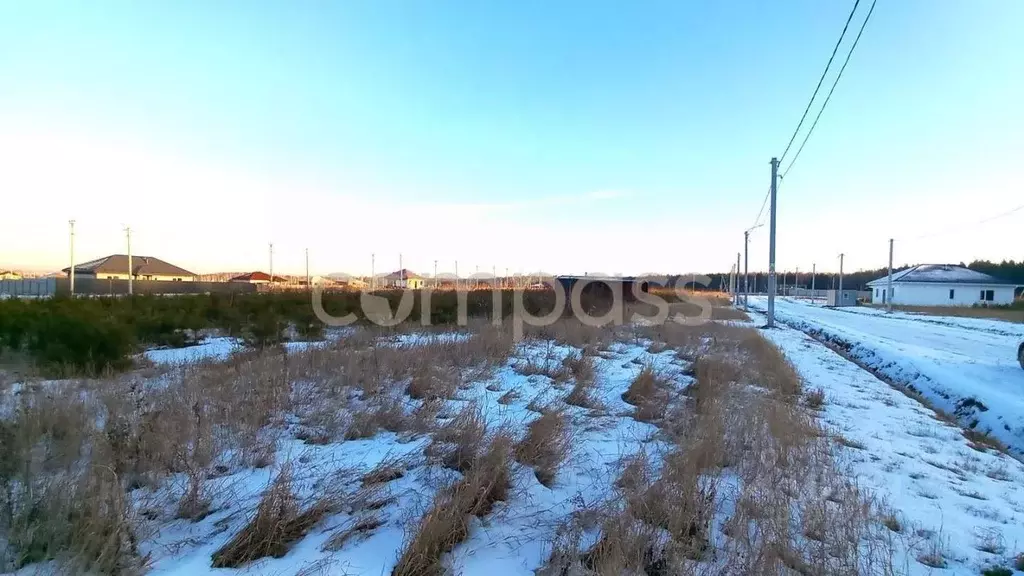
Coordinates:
column 571, row 137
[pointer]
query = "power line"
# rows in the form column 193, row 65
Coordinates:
column 965, row 227
column 831, row 90
column 820, row 81
column 757, row 221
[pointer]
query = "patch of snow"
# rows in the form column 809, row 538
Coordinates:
column 961, row 367
column 210, row 348
column 943, row 492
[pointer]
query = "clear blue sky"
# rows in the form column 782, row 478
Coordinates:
column 571, row 136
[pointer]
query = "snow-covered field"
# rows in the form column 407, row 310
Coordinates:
column 947, row 498
column 964, row 366
column 514, row 539
column 947, row 506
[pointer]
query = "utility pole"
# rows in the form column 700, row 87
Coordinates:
column 841, row 279
column 814, row 273
column 888, row 288
column 128, row 236
column 373, row 273
column 72, row 275
column 435, row 273
column 271, row 265
column 308, row 286
column 746, row 270
column 771, row 245
column 796, row 281
column 736, row 281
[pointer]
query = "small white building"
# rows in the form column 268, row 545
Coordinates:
column 941, row 285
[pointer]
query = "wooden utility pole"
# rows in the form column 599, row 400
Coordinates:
column 888, row 288
column 771, row 245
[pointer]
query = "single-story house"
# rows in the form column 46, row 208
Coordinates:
column 115, row 267
column 401, row 279
column 256, row 278
column 941, row 285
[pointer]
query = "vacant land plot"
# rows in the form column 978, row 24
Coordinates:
column 660, row 449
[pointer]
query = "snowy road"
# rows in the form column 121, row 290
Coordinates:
column 947, row 499
column 965, row 366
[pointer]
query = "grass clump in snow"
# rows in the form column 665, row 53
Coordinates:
column 648, row 392
column 981, row 441
column 458, row 443
column 581, row 366
column 446, row 523
column 278, row 522
column 814, row 399
column 545, row 446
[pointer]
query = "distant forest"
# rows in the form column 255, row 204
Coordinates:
column 1008, row 270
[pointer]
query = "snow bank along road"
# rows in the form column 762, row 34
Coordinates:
column 964, row 366
column 952, row 507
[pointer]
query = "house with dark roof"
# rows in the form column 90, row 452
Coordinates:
column 257, row 278
column 401, row 279
column 115, row 267
column 941, row 285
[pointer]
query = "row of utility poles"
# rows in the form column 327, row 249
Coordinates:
column 773, row 193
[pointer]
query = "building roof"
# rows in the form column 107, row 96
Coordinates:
column 256, row 277
column 403, row 274
column 118, row 264
column 940, row 274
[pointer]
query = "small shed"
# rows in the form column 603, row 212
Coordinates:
column 838, row 298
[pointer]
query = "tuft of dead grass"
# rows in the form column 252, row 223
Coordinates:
column 446, row 523
column 277, row 523
column 815, row 399
column 357, row 528
column 545, row 446
column 458, row 443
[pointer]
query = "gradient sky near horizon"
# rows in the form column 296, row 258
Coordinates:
column 570, row 136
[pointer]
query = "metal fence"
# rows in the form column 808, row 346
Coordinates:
column 29, row 288
column 48, row 287
column 104, row 287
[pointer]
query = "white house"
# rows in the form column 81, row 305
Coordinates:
column 941, row 285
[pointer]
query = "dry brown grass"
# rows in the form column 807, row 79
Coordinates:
column 446, row 523
column 814, row 399
column 509, row 397
column 647, row 392
column 458, row 443
column 277, row 524
column 743, row 437
column 358, row 527
column 385, row 471
column 74, row 450
column 981, row 441
column 545, row 446
column 584, row 373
